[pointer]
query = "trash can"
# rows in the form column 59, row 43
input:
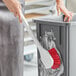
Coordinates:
column 65, row 40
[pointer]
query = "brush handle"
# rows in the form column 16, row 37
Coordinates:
column 30, row 31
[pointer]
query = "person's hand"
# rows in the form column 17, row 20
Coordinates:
column 14, row 6
column 61, row 8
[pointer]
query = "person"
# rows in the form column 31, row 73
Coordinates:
column 11, row 36
column 14, row 6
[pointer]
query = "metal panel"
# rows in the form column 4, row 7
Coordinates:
column 72, row 47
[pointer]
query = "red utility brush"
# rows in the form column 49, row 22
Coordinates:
column 49, row 58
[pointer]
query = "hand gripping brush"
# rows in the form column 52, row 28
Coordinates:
column 47, row 57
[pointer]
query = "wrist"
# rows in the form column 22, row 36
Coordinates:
column 58, row 1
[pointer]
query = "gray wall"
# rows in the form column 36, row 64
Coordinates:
column 71, row 5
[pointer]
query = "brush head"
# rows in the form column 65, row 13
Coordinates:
column 56, row 58
column 46, row 58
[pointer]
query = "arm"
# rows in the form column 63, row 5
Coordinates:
column 61, row 8
column 14, row 7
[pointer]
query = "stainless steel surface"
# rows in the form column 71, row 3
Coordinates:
column 72, row 46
